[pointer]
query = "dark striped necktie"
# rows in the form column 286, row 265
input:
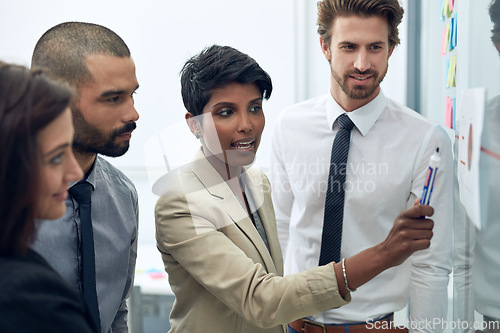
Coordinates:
column 334, row 202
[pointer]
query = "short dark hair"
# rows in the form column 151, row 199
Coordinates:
column 328, row 10
column 217, row 66
column 494, row 12
column 61, row 51
column 29, row 101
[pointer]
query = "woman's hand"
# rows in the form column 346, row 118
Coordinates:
column 411, row 232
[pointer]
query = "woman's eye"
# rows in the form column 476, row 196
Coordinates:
column 57, row 159
column 256, row 108
column 225, row 112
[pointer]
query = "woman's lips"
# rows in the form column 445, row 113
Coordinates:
column 244, row 144
column 61, row 195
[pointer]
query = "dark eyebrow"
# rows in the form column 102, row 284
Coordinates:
column 231, row 104
column 222, row 103
column 62, row 146
column 116, row 92
column 255, row 100
column 351, row 43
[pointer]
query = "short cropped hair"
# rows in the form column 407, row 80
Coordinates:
column 328, row 10
column 215, row 67
column 29, row 101
column 494, row 12
column 61, row 51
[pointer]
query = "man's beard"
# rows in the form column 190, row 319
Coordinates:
column 89, row 139
column 359, row 91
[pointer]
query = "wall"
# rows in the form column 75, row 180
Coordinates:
column 476, row 56
column 162, row 35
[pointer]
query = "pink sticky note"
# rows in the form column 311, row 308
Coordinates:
column 449, row 113
column 451, row 4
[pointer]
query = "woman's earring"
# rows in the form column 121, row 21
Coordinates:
column 197, row 135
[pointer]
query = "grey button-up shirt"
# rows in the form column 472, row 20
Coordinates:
column 115, row 224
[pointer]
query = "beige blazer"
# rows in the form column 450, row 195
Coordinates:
column 220, row 270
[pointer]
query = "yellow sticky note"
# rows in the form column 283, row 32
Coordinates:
column 445, row 10
column 452, row 69
column 445, row 39
column 454, row 72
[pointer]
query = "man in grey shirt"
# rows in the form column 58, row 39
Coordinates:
column 97, row 63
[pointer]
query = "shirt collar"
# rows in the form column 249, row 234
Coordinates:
column 363, row 118
column 90, row 177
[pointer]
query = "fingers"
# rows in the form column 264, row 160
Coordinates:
column 419, row 234
column 406, row 237
column 414, row 234
column 411, row 232
column 421, row 239
column 421, row 244
column 416, row 223
column 418, row 211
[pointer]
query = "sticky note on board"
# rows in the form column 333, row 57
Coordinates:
column 452, row 68
column 454, row 71
column 449, row 112
column 452, row 34
column 455, row 25
column 445, row 9
column 445, row 39
column 451, row 4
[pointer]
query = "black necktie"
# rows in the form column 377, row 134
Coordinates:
column 82, row 192
column 334, row 202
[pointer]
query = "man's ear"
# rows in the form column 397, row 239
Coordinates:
column 194, row 124
column 325, row 48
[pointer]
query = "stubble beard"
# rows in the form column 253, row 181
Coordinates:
column 89, row 139
column 359, row 92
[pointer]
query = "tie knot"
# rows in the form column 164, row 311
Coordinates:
column 81, row 192
column 345, row 122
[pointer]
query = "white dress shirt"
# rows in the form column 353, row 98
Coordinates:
column 387, row 165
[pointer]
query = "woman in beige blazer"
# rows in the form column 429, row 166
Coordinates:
column 215, row 224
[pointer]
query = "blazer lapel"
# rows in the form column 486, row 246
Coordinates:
column 261, row 194
column 217, row 187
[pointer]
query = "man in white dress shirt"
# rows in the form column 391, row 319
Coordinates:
column 387, row 165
